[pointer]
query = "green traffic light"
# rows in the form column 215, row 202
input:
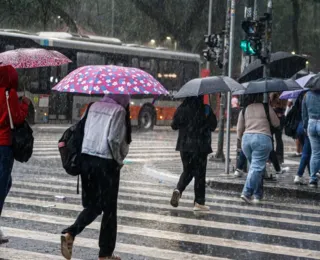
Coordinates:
column 247, row 48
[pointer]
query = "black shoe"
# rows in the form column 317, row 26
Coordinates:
column 313, row 185
column 175, row 198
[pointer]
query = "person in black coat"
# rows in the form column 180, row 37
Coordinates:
column 195, row 122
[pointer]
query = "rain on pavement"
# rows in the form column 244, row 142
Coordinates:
column 43, row 201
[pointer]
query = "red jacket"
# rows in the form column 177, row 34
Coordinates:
column 19, row 111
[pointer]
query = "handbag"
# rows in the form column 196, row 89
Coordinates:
column 22, row 137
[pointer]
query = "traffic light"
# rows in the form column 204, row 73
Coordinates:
column 251, row 47
column 214, row 49
column 255, row 32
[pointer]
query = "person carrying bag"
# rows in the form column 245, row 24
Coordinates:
column 12, row 114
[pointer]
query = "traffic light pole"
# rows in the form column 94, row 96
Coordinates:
column 231, row 43
column 209, row 25
column 219, row 156
column 268, row 46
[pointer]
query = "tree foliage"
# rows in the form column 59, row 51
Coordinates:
column 296, row 23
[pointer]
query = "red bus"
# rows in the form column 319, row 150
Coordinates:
column 171, row 68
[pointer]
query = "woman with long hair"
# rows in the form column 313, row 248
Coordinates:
column 195, row 122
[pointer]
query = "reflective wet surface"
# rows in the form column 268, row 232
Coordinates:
column 43, row 201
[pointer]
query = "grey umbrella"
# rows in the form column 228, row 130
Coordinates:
column 209, row 85
column 268, row 85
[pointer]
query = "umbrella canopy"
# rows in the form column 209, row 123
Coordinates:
column 283, row 65
column 304, row 80
column 32, row 58
column 110, row 79
column 269, row 85
column 301, row 74
column 209, row 85
column 314, row 82
column 294, row 94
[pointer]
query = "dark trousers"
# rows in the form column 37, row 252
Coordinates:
column 6, row 164
column 242, row 160
column 273, row 157
column 100, row 186
column 194, row 166
column 280, row 146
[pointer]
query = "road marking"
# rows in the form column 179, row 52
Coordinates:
column 41, row 203
column 183, row 237
column 165, row 199
column 14, row 254
column 120, row 247
column 168, row 191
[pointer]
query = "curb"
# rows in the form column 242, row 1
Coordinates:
column 284, row 192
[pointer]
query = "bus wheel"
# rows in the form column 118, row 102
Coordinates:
column 147, row 118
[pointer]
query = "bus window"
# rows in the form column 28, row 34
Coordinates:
column 84, row 58
column 191, row 71
column 135, row 62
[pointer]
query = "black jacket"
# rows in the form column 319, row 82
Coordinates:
column 195, row 122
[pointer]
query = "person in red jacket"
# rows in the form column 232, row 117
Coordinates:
column 19, row 112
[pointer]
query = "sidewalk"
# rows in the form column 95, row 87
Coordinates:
column 218, row 179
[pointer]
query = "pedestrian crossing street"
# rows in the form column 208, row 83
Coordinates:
column 149, row 228
column 43, row 201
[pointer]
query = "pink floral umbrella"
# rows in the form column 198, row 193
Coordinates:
column 110, row 79
column 32, row 58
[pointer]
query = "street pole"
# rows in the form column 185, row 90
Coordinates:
column 268, row 47
column 209, row 25
column 219, row 156
column 231, row 44
column 112, row 18
column 255, row 10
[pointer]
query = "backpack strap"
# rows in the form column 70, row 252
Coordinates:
column 87, row 112
column 9, row 110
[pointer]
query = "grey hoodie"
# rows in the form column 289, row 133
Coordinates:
column 105, row 129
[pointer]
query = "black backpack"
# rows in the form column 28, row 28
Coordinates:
column 22, row 138
column 70, row 146
column 292, row 120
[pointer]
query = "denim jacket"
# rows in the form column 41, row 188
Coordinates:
column 310, row 107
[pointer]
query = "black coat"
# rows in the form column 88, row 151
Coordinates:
column 195, row 122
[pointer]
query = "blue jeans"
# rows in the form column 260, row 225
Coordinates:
column 257, row 148
column 314, row 136
column 306, row 151
column 6, row 164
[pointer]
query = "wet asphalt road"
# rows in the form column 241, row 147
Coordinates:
column 149, row 228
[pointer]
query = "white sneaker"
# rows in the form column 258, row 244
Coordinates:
column 283, row 170
column 3, row 238
column 246, row 199
column 199, row 207
column 256, row 201
column 299, row 180
column 238, row 173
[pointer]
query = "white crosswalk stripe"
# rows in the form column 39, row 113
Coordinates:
column 142, row 149
column 148, row 227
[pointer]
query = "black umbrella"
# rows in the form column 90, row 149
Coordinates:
column 314, row 83
column 209, row 85
column 268, row 85
column 283, row 65
column 301, row 74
